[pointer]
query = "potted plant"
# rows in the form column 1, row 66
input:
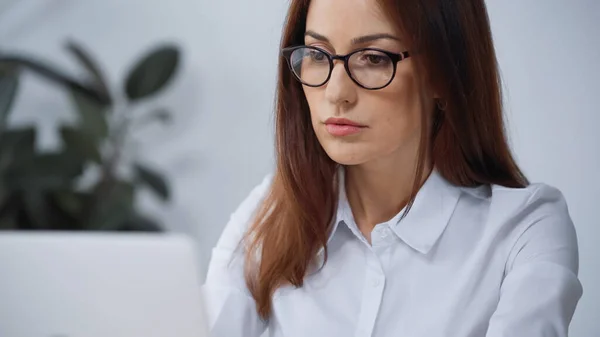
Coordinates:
column 46, row 190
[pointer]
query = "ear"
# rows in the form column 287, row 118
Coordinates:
column 439, row 101
column 441, row 104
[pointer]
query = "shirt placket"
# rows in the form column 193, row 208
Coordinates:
column 374, row 284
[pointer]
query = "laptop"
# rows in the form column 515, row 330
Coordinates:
column 60, row 284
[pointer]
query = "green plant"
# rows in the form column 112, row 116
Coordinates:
column 44, row 190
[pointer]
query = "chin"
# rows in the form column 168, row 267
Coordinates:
column 346, row 154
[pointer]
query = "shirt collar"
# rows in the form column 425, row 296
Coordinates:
column 425, row 222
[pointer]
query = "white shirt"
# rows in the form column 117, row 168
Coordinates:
column 465, row 262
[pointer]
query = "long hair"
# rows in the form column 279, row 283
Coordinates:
column 464, row 138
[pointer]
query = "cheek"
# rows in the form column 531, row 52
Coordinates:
column 314, row 98
column 398, row 107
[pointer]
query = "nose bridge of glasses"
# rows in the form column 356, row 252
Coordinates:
column 343, row 60
column 340, row 58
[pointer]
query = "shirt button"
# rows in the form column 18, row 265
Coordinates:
column 375, row 282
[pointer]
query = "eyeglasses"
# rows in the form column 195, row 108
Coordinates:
column 369, row 68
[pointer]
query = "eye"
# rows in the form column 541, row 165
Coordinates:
column 316, row 55
column 371, row 59
column 375, row 59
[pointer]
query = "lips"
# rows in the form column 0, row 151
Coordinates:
column 341, row 127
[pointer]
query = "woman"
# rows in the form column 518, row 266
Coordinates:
column 396, row 208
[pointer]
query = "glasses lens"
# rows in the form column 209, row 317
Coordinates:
column 371, row 68
column 311, row 66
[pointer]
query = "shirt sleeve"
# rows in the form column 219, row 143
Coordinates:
column 230, row 309
column 541, row 289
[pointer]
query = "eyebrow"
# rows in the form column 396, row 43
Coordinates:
column 357, row 40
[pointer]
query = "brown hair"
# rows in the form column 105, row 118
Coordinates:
column 452, row 47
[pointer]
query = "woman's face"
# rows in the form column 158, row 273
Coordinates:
column 389, row 118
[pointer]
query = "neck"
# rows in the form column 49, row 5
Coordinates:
column 377, row 192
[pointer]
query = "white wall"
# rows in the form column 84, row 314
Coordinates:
column 220, row 146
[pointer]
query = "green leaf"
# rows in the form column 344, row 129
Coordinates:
column 139, row 223
column 152, row 72
column 9, row 84
column 115, row 208
column 71, row 204
column 46, row 171
column 17, row 146
column 10, row 209
column 4, row 195
column 91, row 103
column 80, row 144
column 61, row 163
column 91, row 66
column 54, row 74
column 69, row 201
column 16, row 136
column 36, row 207
column 153, row 180
column 93, row 117
column 8, row 222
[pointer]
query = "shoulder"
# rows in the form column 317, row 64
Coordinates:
column 539, row 288
column 225, row 292
column 528, row 204
column 521, row 205
column 241, row 217
column 520, row 221
column 252, row 201
column 537, row 222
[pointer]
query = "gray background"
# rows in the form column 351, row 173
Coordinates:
column 220, row 145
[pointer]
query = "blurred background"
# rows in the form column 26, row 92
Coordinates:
column 201, row 137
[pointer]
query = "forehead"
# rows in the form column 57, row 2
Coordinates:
column 342, row 20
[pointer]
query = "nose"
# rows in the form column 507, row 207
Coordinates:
column 340, row 89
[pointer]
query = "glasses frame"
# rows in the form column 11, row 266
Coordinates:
column 395, row 57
